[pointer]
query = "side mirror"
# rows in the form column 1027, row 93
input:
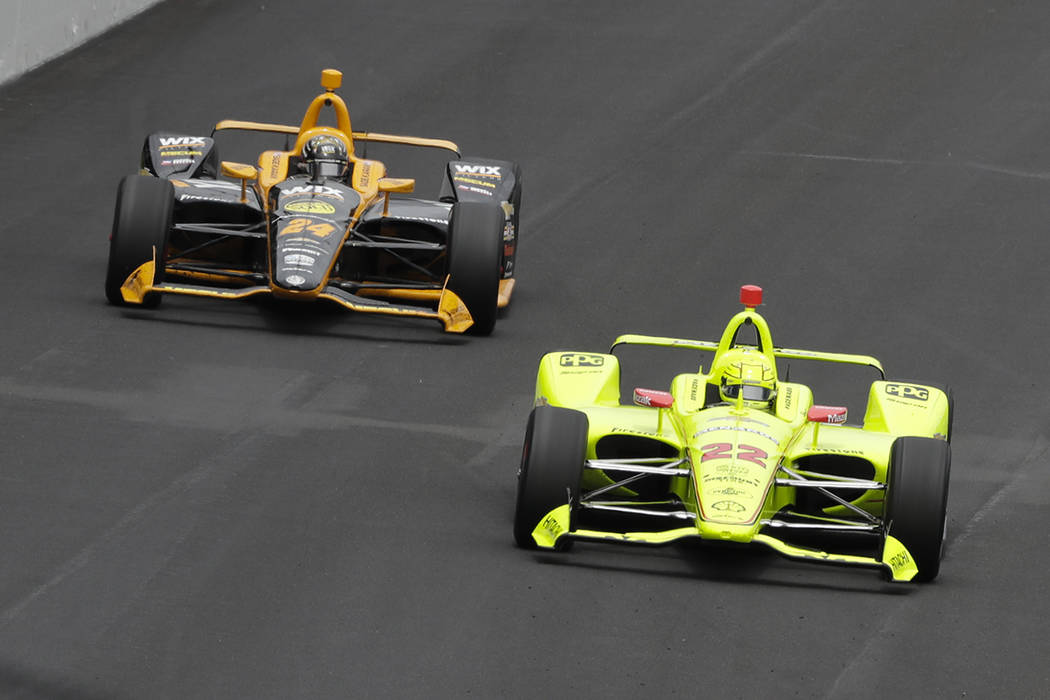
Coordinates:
column 393, row 184
column 239, row 170
column 653, row 398
column 386, row 185
column 834, row 415
column 243, row 173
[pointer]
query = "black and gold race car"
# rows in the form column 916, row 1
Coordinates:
column 317, row 221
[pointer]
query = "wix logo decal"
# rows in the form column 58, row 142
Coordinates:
column 484, row 170
column 168, row 141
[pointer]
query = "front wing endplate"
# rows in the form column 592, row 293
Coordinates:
column 138, row 284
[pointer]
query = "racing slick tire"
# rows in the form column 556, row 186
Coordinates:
column 141, row 222
column 475, row 243
column 917, row 500
column 552, row 461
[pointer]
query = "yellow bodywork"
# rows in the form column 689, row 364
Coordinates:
column 734, row 468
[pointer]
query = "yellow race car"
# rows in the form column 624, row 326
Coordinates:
column 735, row 454
column 316, row 221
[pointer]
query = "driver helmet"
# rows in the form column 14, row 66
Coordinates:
column 325, row 156
column 747, row 373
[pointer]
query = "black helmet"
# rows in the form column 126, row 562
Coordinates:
column 325, row 156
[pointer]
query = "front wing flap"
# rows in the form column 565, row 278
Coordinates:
column 553, row 527
column 451, row 312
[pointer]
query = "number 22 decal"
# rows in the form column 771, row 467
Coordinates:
column 724, row 450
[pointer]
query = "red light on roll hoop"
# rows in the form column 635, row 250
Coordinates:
column 751, row 295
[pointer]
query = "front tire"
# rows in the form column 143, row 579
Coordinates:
column 917, row 500
column 552, row 461
column 475, row 253
column 141, row 223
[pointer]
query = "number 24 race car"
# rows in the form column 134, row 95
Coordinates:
column 315, row 221
column 735, row 455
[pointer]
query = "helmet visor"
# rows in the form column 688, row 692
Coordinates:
column 327, row 168
column 751, row 392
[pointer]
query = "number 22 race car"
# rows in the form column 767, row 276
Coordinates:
column 315, row 221
column 736, row 455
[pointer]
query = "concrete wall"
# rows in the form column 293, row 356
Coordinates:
column 33, row 31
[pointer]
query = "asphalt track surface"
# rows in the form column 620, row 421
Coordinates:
column 234, row 500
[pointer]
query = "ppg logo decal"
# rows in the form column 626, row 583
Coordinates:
column 908, row 391
column 581, row 359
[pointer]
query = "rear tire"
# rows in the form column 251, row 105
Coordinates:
column 475, row 255
column 552, row 461
column 141, row 222
column 917, row 500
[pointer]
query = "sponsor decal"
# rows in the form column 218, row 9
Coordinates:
column 321, row 190
column 208, row 184
column 309, row 250
column 310, row 207
column 182, row 153
column 551, row 525
column 581, row 359
column 729, row 491
column 736, row 419
column 424, row 219
column 295, row 280
column 474, row 181
column 479, row 170
column 728, row 506
column 182, row 141
column 694, row 390
column 842, row 451
column 632, row 431
column 789, row 395
column 731, row 479
column 899, row 560
column 310, row 245
column 736, row 429
column 365, row 175
column 201, row 198
column 275, row 166
column 908, row 391
column 471, row 188
column 299, row 259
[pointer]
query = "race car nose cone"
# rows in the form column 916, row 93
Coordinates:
column 751, row 295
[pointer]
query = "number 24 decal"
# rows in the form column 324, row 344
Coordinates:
column 299, row 225
column 724, row 450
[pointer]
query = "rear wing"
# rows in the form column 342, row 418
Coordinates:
column 227, row 124
column 706, row 345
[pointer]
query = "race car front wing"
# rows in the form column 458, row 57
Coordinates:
column 555, row 526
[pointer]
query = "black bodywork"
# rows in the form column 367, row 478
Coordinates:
column 222, row 237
